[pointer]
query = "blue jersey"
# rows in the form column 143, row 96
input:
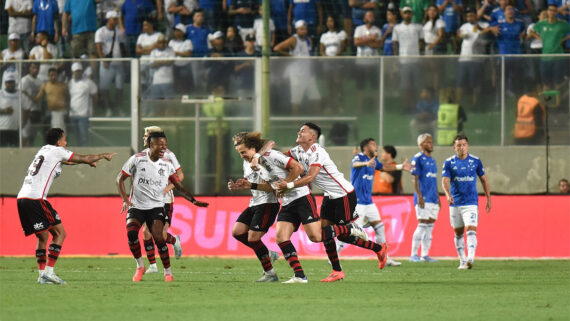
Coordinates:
column 425, row 168
column 133, row 12
column 449, row 16
column 46, row 11
column 305, row 10
column 463, row 178
column 199, row 38
column 508, row 39
column 362, row 179
column 388, row 49
column 83, row 15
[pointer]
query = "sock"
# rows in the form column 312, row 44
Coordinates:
column 460, row 247
column 133, row 237
column 167, row 271
column 417, row 238
column 41, row 259
column 48, row 270
column 380, row 233
column 150, row 254
column 331, row 231
column 426, row 239
column 290, row 254
column 339, row 246
column 163, row 252
column 260, row 250
column 369, row 245
column 170, row 239
column 53, row 254
column 330, row 247
column 471, row 245
column 140, row 262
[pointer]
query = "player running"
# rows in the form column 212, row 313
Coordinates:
column 150, row 173
column 37, row 216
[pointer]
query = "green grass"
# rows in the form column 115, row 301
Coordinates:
column 223, row 289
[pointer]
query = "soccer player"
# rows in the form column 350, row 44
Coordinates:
column 37, row 216
column 298, row 204
column 363, row 166
column 459, row 180
column 339, row 201
column 150, row 173
column 426, row 198
column 168, row 209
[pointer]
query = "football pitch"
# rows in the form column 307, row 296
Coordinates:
column 224, row 289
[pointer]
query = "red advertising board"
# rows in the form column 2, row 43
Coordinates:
column 517, row 226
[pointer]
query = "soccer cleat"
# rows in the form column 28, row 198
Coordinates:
column 334, row 276
column 273, row 256
column 268, row 277
column 177, row 247
column 168, row 278
column 382, row 256
column 358, row 232
column 428, row 259
column 138, row 274
column 469, row 264
column 152, row 269
column 296, row 279
column 415, row 258
column 391, row 262
column 463, row 266
column 52, row 278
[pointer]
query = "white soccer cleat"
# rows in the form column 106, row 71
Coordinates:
column 415, row 258
column 152, row 269
column 273, row 256
column 268, row 277
column 177, row 247
column 52, row 278
column 359, row 232
column 390, row 262
column 463, row 266
column 296, row 280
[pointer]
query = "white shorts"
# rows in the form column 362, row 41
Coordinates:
column 366, row 214
column 110, row 76
column 304, row 86
column 430, row 210
column 462, row 216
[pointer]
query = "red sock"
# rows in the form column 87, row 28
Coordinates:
column 170, row 239
column 53, row 254
column 149, row 248
column 41, row 259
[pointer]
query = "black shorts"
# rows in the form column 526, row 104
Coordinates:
column 147, row 216
column 339, row 210
column 36, row 216
column 168, row 209
column 302, row 210
column 259, row 218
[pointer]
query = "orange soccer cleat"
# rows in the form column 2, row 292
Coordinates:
column 168, row 278
column 382, row 256
column 334, row 276
column 138, row 274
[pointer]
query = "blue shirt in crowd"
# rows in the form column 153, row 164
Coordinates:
column 362, row 179
column 83, row 16
column 45, row 11
column 388, row 49
column 449, row 16
column 279, row 13
column 208, row 4
column 508, row 39
column 425, row 168
column 243, row 20
column 133, row 13
column 305, row 10
column 199, row 38
column 463, row 178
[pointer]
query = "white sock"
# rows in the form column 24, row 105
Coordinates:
column 460, row 246
column 140, row 262
column 417, row 238
column 426, row 239
column 167, row 271
column 471, row 245
column 339, row 246
column 48, row 270
column 41, row 272
column 270, row 272
column 380, row 233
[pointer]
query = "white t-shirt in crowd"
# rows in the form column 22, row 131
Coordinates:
column 9, row 55
column 364, row 32
column 258, row 30
column 146, row 40
column 10, row 122
column 31, row 86
column 430, row 32
column 470, row 34
column 181, row 46
column 38, row 54
column 534, row 42
column 162, row 74
column 104, row 36
column 332, row 41
column 80, row 100
column 19, row 25
column 408, row 37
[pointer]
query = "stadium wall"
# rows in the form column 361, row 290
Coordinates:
column 517, row 226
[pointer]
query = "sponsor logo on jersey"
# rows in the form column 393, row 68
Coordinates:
column 161, row 172
column 432, row 175
column 368, row 177
column 39, row 226
column 464, row 179
column 143, row 169
column 148, row 181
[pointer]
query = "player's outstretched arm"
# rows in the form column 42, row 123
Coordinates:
column 446, row 188
column 187, row 195
column 122, row 191
column 264, row 149
column 487, row 190
column 243, row 184
column 397, row 167
column 91, row 159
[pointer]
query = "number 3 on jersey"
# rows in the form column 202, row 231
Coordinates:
column 36, row 165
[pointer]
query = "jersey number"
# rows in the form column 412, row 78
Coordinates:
column 37, row 164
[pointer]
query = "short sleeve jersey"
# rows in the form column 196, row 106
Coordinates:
column 508, row 39
column 425, row 168
column 277, row 165
column 408, row 37
column 149, row 179
column 45, row 167
column 329, row 178
column 362, row 178
column 172, row 158
column 259, row 197
column 463, row 178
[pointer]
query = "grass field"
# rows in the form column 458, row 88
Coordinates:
column 223, row 289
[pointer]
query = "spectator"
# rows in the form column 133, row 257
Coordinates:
column 359, row 9
column 418, row 8
column 182, row 48
column 278, row 10
column 450, row 119
column 233, row 43
column 535, row 43
column 217, row 70
column 211, row 13
column 244, row 72
column 110, row 43
column 199, row 34
column 529, row 125
column 485, row 9
column 333, row 43
column 498, row 14
column 367, row 39
column 258, row 30
column 451, row 11
column 19, row 21
column 46, row 18
column 133, row 15
column 31, row 110
column 425, row 116
column 407, row 40
column 243, row 13
column 44, row 50
column 82, row 94
column 524, row 9
column 391, row 21
column 434, row 33
column 9, row 112
column 564, row 186
column 87, row 70
column 300, row 71
column 387, row 182
column 147, row 41
column 56, row 96
column 509, row 33
column 182, row 10
column 83, row 26
column 162, row 63
column 13, row 52
column 309, row 11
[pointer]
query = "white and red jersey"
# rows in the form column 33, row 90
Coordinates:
column 45, row 167
column 168, row 154
column 149, row 179
column 329, row 178
column 277, row 165
column 260, row 176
